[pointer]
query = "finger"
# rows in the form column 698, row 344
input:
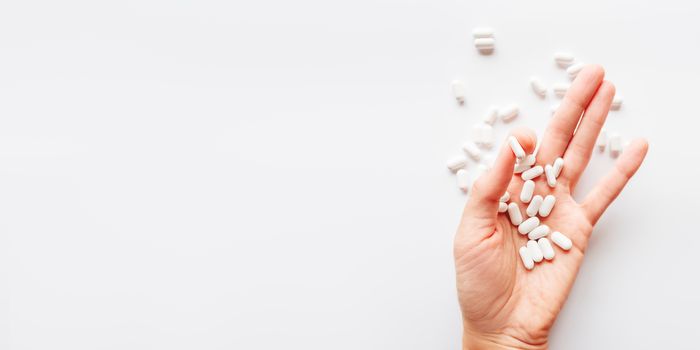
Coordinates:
column 612, row 184
column 579, row 151
column 561, row 128
column 490, row 186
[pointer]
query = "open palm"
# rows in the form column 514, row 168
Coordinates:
column 503, row 304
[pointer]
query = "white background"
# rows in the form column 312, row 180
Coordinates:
column 270, row 174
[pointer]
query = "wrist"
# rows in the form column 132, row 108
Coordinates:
column 478, row 341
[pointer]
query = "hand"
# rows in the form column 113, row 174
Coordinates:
column 503, row 304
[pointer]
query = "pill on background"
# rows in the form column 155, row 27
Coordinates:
column 520, row 167
column 562, row 241
column 573, row 70
column 516, row 147
column 532, row 173
column 463, row 180
column 538, row 86
column 549, row 174
column 485, row 45
column 457, row 162
column 472, row 150
column 547, row 205
column 546, row 248
column 528, row 225
column 535, row 251
column 459, row 91
column 491, row 115
column 538, row 232
column 502, row 207
column 483, row 135
column 514, row 214
column 526, row 193
column 482, row 32
column 558, row 165
column 616, row 102
column 526, row 258
column 563, row 59
column 602, row 140
column 615, row 145
column 534, row 206
column 505, row 197
column 560, row 89
column 509, row 113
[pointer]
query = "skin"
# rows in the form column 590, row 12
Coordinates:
column 500, row 310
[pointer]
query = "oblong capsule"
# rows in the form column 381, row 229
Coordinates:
column 535, row 251
column 562, row 241
column 602, row 140
column 491, row 115
column 547, row 205
column 472, row 150
column 615, row 145
column 538, row 87
column 563, row 59
column 482, row 32
column 528, row 225
column 532, row 173
column 463, row 180
column 505, row 197
column 560, row 89
column 485, row 45
column 457, row 162
column 527, row 191
column 459, row 91
column 538, row 232
column 526, row 258
column 514, row 214
column 616, row 102
column 483, row 135
column 558, row 165
column 546, row 248
column 502, row 207
column 549, row 173
column 573, row 70
column 509, row 113
column 534, row 206
column 516, row 147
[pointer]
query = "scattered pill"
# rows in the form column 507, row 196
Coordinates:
column 482, row 32
column 520, row 167
column 534, row 206
column 505, row 197
column 560, row 89
column 528, row 225
column 563, row 59
column 573, row 70
column 502, row 207
column 509, row 113
column 516, row 147
column 457, row 162
column 558, row 165
column 459, row 91
column 538, row 232
column 463, row 180
column 516, row 217
column 485, row 45
column 538, row 87
column 483, row 135
column 615, row 145
column 616, row 102
column 547, row 205
column 549, row 174
column 535, row 251
column 472, row 150
column 562, row 241
column 526, row 193
column 602, row 140
column 546, row 248
column 532, row 173
column 491, row 115
column 526, row 258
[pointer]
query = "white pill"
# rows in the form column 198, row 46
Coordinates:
column 485, row 45
column 615, row 145
column 563, row 59
column 482, row 32
column 526, row 193
column 560, row 89
column 547, row 205
column 463, row 180
column 509, row 113
column 520, row 167
column 530, row 159
column 502, row 207
column 546, row 248
column 534, row 206
column 526, row 258
column 532, row 173
column 516, row 217
column 602, row 140
column 528, row 225
column 573, row 70
column 491, row 115
column 483, row 135
column 562, row 241
column 549, row 173
column 616, row 102
column 472, row 150
column 535, row 251
column 516, row 147
column 538, row 86
column 505, row 197
column 558, row 165
column 459, row 91
column 457, row 162
column 538, row 232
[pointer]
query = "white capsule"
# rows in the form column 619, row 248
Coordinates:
column 535, row 251
column 482, row 32
column 502, row 207
column 457, row 162
column 528, row 225
column 602, row 140
column 509, row 113
column 520, row 167
column 505, row 197
column 534, row 206
column 472, row 150
column 616, row 102
column 573, row 71
column 547, row 205
column 538, row 232
column 516, row 217
column 463, row 180
column 485, row 45
column 516, row 147
column 483, row 135
column 563, row 59
column 526, row 258
column 562, row 241
column 526, row 193
column 546, row 248
column 558, row 165
column 615, row 145
column 532, row 173
column 459, row 91
column 538, row 87
column 549, row 174
column 560, row 89
column 530, row 159
column 491, row 115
